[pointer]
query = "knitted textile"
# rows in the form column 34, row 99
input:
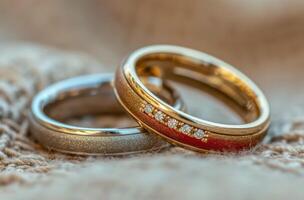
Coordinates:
column 27, row 171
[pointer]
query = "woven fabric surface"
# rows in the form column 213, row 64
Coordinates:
column 274, row 170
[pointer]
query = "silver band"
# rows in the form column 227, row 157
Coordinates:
column 62, row 137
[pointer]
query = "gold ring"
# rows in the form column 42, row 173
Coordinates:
column 198, row 69
column 85, row 95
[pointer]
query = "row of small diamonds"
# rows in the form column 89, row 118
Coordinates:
column 173, row 123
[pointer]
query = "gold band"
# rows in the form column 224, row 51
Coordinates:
column 198, row 69
column 79, row 96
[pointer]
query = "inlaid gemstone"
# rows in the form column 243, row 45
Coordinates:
column 199, row 134
column 186, row 129
column 148, row 108
column 172, row 123
column 159, row 116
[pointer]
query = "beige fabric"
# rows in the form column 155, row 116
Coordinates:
column 262, row 38
column 272, row 170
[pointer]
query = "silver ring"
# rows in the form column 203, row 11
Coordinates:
column 59, row 136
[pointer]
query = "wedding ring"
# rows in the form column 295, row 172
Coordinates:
column 199, row 70
column 91, row 94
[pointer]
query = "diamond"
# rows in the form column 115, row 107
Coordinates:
column 186, row 129
column 199, row 134
column 172, row 123
column 159, row 116
column 148, row 108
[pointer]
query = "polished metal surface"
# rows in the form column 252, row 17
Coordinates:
column 89, row 95
column 198, row 69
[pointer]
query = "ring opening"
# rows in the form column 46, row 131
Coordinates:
column 215, row 80
column 96, row 105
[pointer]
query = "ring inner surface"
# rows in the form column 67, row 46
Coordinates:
column 98, row 102
column 212, row 79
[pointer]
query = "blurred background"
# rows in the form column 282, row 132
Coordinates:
column 264, row 39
